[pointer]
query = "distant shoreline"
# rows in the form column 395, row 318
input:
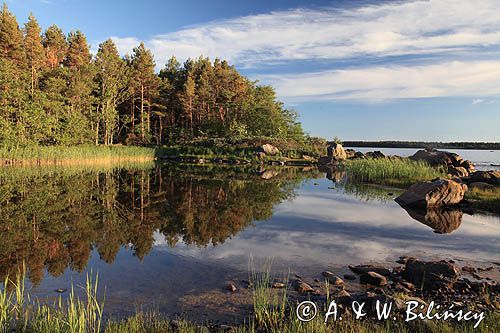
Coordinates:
column 421, row 145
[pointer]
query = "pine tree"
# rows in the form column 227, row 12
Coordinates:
column 55, row 45
column 11, row 38
column 112, row 80
column 79, row 93
column 35, row 54
column 146, row 81
column 188, row 96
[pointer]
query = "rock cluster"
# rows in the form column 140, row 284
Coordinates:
column 455, row 164
column 416, row 280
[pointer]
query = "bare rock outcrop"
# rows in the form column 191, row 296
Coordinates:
column 440, row 192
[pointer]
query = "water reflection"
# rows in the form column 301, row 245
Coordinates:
column 443, row 220
column 54, row 221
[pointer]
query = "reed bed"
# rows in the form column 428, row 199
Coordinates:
column 395, row 172
column 74, row 155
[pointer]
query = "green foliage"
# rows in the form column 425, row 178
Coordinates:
column 53, row 92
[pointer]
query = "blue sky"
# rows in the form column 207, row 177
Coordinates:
column 367, row 70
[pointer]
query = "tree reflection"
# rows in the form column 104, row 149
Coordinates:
column 54, row 221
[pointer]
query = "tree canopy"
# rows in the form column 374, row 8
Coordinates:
column 54, row 91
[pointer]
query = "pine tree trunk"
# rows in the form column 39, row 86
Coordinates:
column 142, row 112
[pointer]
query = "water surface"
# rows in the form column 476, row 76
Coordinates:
column 170, row 237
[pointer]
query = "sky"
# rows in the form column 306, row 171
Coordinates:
column 424, row 70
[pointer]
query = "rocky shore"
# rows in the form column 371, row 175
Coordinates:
column 442, row 282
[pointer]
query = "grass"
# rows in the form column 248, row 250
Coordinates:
column 394, row 172
column 485, row 199
column 273, row 312
column 74, row 155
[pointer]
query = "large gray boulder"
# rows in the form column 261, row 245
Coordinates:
column 336, row 152
column 440, row 192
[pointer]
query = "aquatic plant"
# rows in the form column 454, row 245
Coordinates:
column 396, row 172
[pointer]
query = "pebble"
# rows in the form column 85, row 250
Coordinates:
column 278, row 285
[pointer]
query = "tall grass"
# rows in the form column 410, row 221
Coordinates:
column 485, row 199
column 43, row 155
column 19, row 314
column 396, row 172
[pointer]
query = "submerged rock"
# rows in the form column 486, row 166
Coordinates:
column 440, row 192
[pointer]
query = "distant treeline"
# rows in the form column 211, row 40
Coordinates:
column 420, row 144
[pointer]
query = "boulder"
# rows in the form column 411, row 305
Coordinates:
column 491, row 177
column 375, row 154
column 332, row 278
column 433, row 157
column 440, row 192
column 302, row 287
column 441, row 219
column 350, row 153
column 359, row 155
column 443, row 158
column 269, row 149
column 456, row 159
column 373, row 278
column 458, row 171
column 432, row 274
column 336, row 152
column 468, row 165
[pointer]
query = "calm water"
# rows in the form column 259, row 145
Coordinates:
column 170, row 237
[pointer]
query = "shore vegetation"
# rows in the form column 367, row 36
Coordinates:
column 393, row 172
column 273, row 312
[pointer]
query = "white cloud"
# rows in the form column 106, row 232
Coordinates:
column 457, row 32
column 446, row 79
column 389, row 29
column 477, row 101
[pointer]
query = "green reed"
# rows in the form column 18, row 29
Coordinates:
column 60, row 154
column 397, row 172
